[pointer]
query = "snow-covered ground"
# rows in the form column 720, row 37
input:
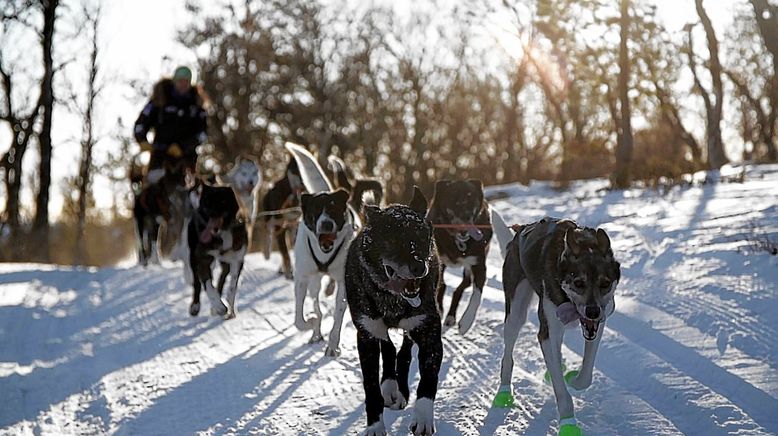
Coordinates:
column 692, row 347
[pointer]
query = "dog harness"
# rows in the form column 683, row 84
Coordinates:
column 323, row 267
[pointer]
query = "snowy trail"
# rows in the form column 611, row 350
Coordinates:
column 692, row 348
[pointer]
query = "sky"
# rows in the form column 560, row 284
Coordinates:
column 138, row 43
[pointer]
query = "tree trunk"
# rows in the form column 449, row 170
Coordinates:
column 21, row 128
column 85, row 167
column 621, row 175
column 40, row 225
column 767, row 19
column 716, row 156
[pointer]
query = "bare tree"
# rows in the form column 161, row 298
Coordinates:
column 766, row 16
column 714, row 101
column 89, row 139
column 40, row 224
column 621, row 175
column 21, row 118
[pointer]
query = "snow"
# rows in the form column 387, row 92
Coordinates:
column 692, row 347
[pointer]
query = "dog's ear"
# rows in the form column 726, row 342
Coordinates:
column 571, row 243
column 341, row 195
column 195, row 193
column 441, row 186
column 305, row 198
column 603, row 242
column 476, row 183
column 371, row 212
column 418, row 202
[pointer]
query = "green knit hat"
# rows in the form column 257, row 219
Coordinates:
column 182, row 73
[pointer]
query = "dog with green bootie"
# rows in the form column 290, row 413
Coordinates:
column 574, row 274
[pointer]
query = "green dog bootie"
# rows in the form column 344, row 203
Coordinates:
column 569, row 427
column 504, row 397
column 547, row 375
column 570, row 375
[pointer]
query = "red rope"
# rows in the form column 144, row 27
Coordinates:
column 462, row 226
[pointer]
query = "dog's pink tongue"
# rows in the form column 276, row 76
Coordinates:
column 207, row 234
column 474, row 233
column 397, row 284
column 567, row 313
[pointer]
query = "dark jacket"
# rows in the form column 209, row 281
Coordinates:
column 175, row 118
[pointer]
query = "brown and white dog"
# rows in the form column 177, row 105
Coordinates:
column 573, row 272
column 216, row 233
column 284, row 195
column 245, row 178
column 463, row 231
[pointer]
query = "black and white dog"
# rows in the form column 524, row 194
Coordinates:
column 245, row 178
column 463, row 231
column 216, row 233
column 159, row 211
column 344, row 178
column 284, row 195
column 321, row 246
column 391, row 274
column 574, row 273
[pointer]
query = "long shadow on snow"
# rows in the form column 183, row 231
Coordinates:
column 219, row 395
column 26, row 396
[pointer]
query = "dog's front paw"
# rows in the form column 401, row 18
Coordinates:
column 332, row 352
column 450, row 321
column 230, row 315
column 393, row 398
column 306, row 324
column 376, row 429
column 219, row 309
column 316, row 338
column 423, row 422
column 576, row 380
column 194, row 309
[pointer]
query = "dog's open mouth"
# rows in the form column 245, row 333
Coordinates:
column 211, row 229
column 589, row 328
column 327, row 241
column 406, row 288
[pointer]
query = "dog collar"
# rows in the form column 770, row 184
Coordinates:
column 323, row 267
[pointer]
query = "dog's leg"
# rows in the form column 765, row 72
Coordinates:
column 153, row 251
column 441, row 289
column 284, row 249
column 584, row 377
column 479, row 278
column 427, row 336
column 452, row 310
column 551, row 345
column 194, row 308
column 142, row 259
column 203, row 274
column 403, row 366
column 314, row 287
column 514, row 320
column 235, row 269
column 369, row 354
column 225, row 269
column 268, row 239
column 300, row 289
column 333, row 345
column 390, row 390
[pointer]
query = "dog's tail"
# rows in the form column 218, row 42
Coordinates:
column 502, row 231
column 341, row 174
column 367, row 191
column 314, row 178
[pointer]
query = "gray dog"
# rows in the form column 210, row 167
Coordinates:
column 573, row 272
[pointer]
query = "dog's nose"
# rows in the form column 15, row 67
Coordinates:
column 593, row 312
column 418, row 269
column 327, row 226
